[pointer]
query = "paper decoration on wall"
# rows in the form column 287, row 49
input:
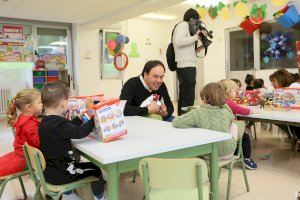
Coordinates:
column 241, row 9
column 134, row 53
column 202, row 11
column 213, row 12
column 278, row 3
column 279, row 46
column 258, row 14
column 224, row 11
column 249, row 26
column 148, row 42
column 288, row 16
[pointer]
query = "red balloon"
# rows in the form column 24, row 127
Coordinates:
column 111, row 45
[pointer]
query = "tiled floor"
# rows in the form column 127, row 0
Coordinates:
column 277, row 177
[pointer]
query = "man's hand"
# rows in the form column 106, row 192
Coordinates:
column 163, row 110
column 153, row 108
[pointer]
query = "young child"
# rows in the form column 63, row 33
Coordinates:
column 238, row 82
column 28, row 102
column 249, row 81
column 56, row 133
column 230, row 94
column 259, row 84
column 213, row 115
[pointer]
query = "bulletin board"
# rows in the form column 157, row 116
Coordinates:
column 16, row 43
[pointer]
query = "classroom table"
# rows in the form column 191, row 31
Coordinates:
column 151, row 138
column 273, row 116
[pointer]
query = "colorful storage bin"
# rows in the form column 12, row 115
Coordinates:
column 39, row 79
column 289, row 18
column 39, row 73
column 51, row 79
column 52, row 73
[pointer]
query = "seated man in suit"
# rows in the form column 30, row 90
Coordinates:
column 147, row 94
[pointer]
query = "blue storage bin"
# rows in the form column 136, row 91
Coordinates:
column 39, row 79
column 52, row 73
column 290, row 18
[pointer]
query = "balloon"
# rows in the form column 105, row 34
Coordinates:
column 202, row 11
column 111, row 52
column 241, row 10
column 225, row 13
column 279, row 3
column 111, row 36
column 111, row 44
column 121, row 39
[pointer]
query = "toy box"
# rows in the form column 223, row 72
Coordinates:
column 79, row 103
column 287, row 98
column 109, row 120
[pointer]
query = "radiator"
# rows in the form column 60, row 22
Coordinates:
column 5, row 95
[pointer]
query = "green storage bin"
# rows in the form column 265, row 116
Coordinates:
column 39, row 73
column 38, row 86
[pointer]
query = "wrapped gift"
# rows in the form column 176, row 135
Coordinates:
column 80, row 103
column 241, row 97
column 249, row 26
column 287, row 98
column 253, row 97
column 288, row 16
column 109, row 120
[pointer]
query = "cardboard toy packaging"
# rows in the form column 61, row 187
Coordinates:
column 109, row 120
column 79, row 103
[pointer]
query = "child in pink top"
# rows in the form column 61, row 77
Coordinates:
column 231, row 89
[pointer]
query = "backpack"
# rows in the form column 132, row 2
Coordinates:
column 170, row 54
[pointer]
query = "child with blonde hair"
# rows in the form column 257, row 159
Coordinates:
column 231, row 88
column 25, row 125
column 215, row 115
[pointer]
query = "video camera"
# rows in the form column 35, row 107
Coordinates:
column 196, row 25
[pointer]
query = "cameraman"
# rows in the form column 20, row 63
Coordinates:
column 185, row 47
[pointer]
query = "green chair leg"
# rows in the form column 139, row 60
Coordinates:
column 245, row 175
column 229, row 181
column 2, row 186
column 134, row 176
column 23, row 188
column 37, row 194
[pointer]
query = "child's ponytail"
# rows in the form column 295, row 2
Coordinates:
column 26, row 96
column 11, row 112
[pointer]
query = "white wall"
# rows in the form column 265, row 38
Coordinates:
column 87, row 70
column 215, row 61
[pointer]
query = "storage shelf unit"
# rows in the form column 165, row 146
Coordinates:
column 40, row 77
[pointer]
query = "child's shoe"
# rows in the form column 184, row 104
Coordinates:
column 250, row 164
column 71, row 196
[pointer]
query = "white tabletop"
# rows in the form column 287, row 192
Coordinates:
column 147, row 137
column 279, row 115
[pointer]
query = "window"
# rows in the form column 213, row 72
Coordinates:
column 249, row 52
column 52, row 47
column 241, row 51
column 286, row 60
column 107, row 67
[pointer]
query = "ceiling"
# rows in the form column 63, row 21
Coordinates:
column 88, row 12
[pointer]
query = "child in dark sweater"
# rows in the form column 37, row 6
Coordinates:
column 56, row 133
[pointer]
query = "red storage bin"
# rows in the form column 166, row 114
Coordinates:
column 51, row 79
